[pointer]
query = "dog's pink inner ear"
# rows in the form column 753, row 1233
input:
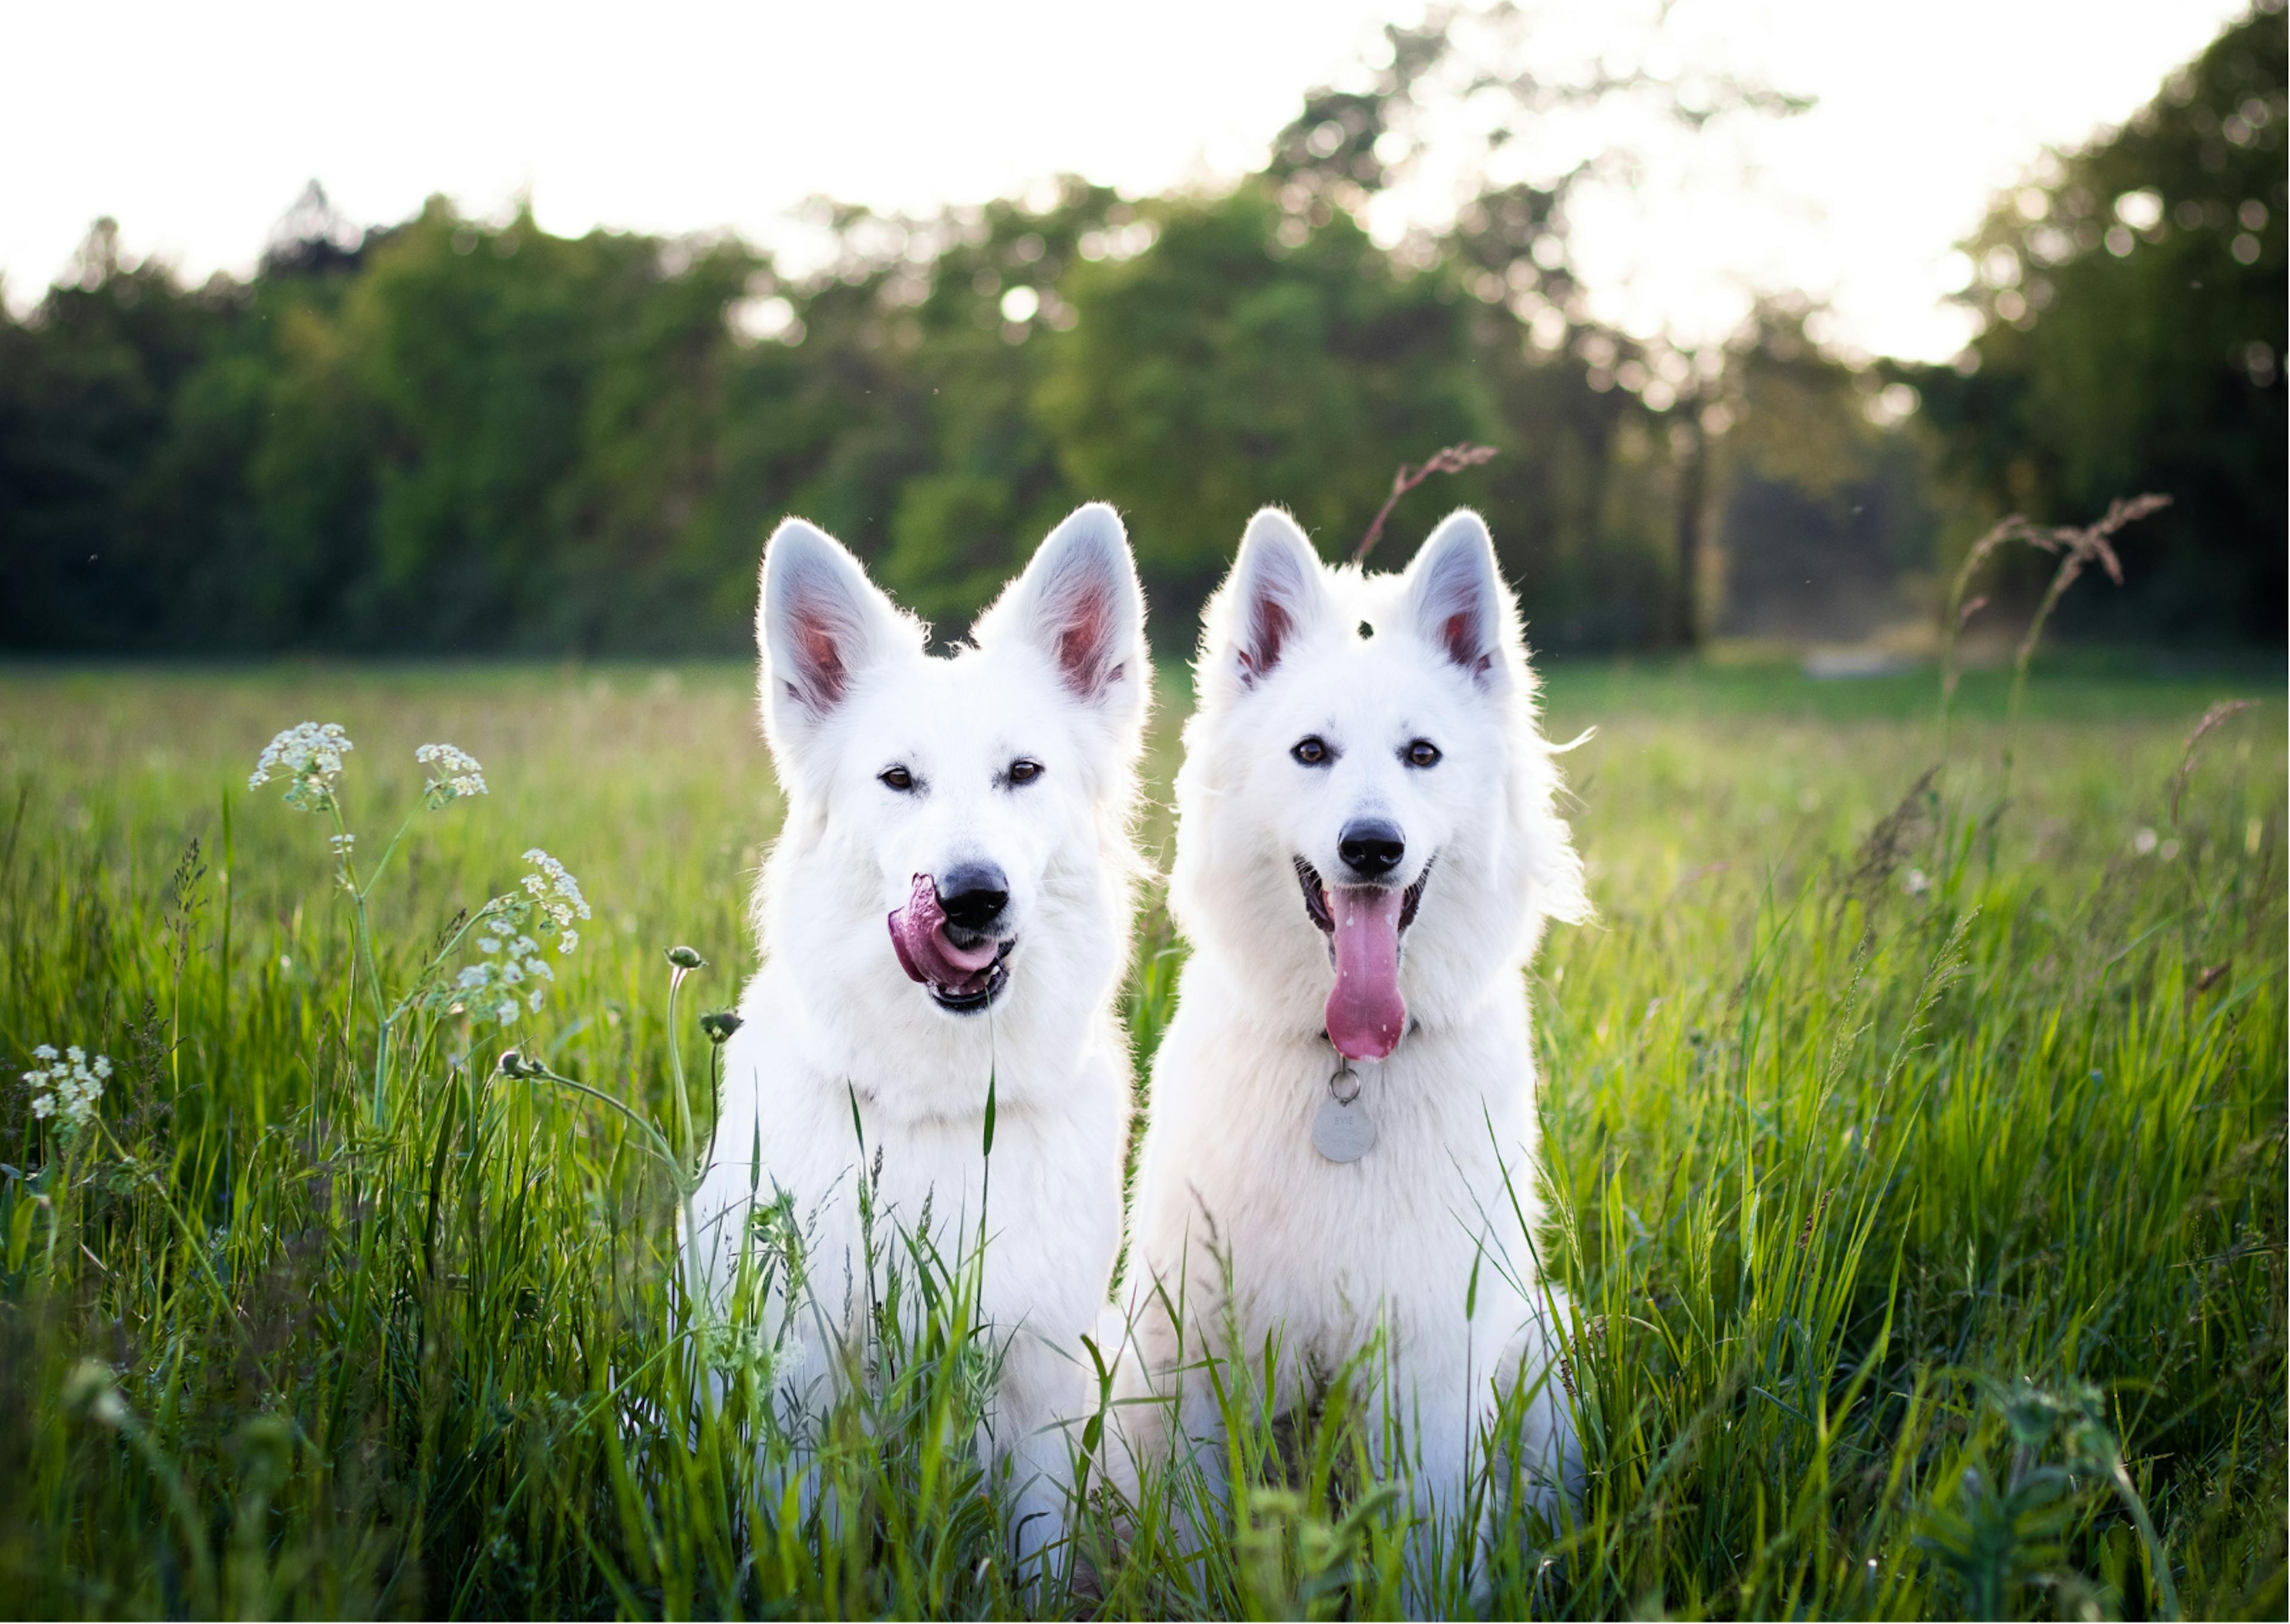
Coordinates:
column 1467, row 645
column 1085, row 645
column 820, row 675
column 1268, row 626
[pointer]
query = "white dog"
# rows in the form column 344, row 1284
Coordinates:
column 982, row 803
column 1342, row 1115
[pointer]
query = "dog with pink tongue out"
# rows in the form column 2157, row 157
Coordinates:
column 1342, row 1135
column 944, row 919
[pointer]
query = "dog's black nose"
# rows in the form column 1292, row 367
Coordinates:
column 1372, row 847
column 973, row 895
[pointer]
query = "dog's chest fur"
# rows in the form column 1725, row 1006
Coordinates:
column 1325, row 1248
column 821, row 1132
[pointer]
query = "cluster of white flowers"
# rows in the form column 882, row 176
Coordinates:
column 558, row 894
column 509, row 981
column 309, row 759
column 67, row 1087
column 513, row 975
column 494, row 987
column 454, row 773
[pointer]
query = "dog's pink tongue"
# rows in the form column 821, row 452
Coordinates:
column 1365, row 1013
column 918, row 936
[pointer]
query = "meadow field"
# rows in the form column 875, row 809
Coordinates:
column 1915, row 1114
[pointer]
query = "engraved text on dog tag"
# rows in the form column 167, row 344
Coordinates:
column 1343, row 1132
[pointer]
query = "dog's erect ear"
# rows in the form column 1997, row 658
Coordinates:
column 1275, row 593
column 821, row 624
column 1079, row 603
column 1456, row 600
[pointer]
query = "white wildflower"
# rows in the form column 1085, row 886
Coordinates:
column 66, row 1089
column 1915, row 882
column 342, row 844
column 454, row 774
column 2143, row 842
column 310, row 757
column 512, row 931
column 556, row 891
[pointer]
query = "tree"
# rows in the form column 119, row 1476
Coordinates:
column 1826, row 526
column 2132, row 299
column 1230, row 367
column 88, row 385
column 1510, row 245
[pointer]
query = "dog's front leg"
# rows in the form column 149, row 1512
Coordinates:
column 1035, row 1403
column 1163, row 1442
column 1433, row 1415
column 1534, row 1376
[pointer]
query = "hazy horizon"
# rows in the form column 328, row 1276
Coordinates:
column 712, row 117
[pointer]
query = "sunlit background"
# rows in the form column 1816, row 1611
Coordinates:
column 1693, row 175
column 706, row 116
column 1879, row 412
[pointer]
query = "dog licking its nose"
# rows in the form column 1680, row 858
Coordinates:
column 922, row 932
column 1371, row 847
column 973, row 896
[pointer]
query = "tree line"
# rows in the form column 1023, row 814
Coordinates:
column 468, row 434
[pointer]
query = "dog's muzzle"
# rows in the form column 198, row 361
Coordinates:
column 943, row 939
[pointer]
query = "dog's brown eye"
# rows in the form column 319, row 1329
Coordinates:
column 1424, row 753
column 1311, row 751
column 897, row 778
column 1024, row 772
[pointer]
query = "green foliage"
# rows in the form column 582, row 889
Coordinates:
column 1825, row 515
column 467, row 435
column 1917, row 1163
column 987, row 485
column 1234, row 365
column 2134, row 338
column 86, row 401
column 479, row 437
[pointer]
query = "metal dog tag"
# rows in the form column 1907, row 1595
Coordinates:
column 1342, row 1129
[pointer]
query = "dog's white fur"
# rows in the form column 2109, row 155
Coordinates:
column 1321, row 1255
column 1057, row 673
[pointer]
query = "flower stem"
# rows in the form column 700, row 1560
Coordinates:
column 675, row 1070
column 383, row 1017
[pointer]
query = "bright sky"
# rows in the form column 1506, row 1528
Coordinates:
column 198, row 125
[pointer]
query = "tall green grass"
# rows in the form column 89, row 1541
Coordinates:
column 1917, row 1143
